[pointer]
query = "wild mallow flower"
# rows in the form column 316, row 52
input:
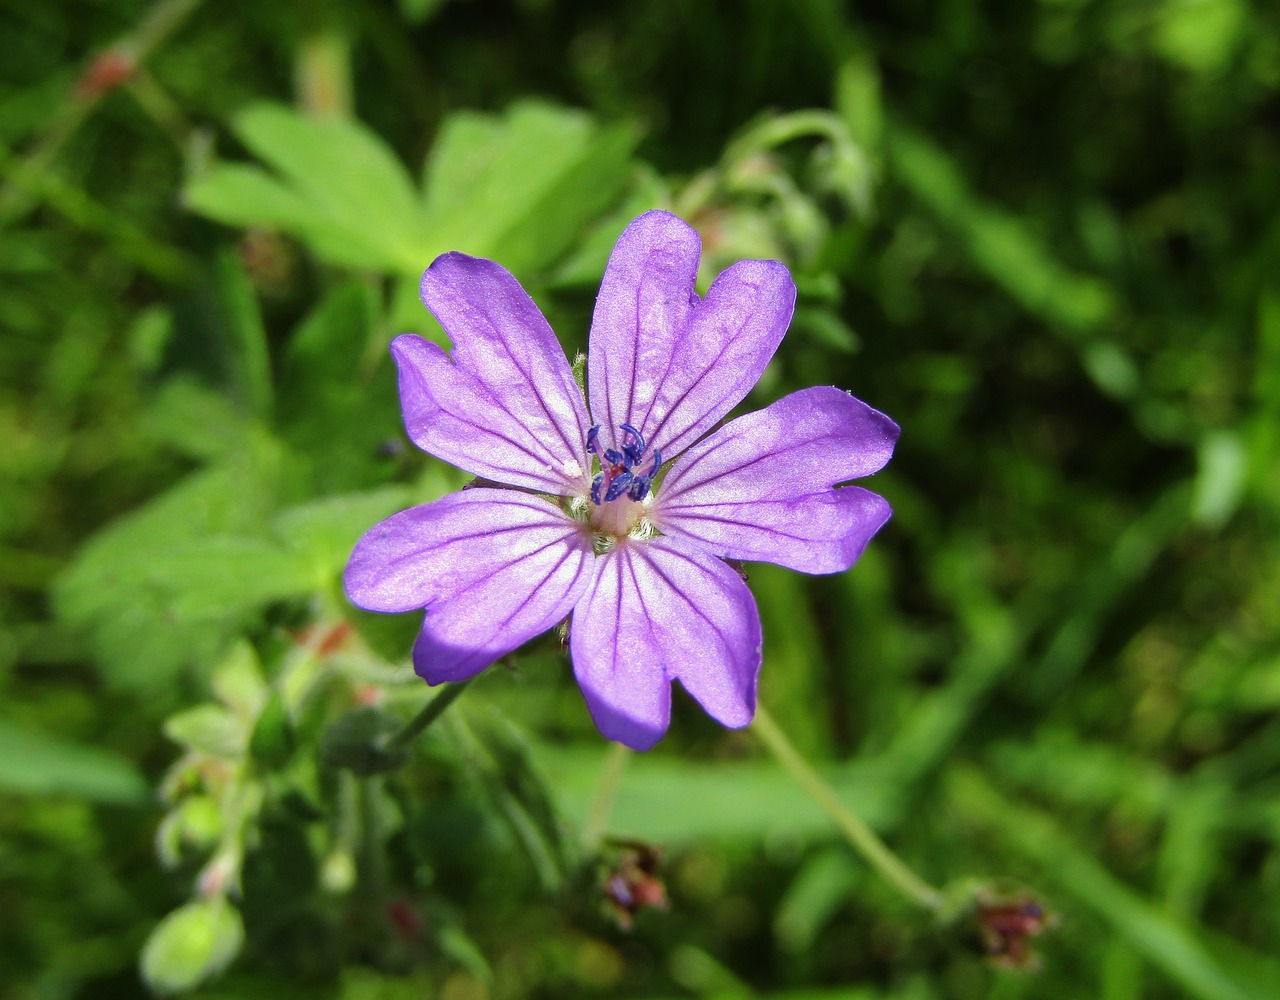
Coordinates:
column 620, row 514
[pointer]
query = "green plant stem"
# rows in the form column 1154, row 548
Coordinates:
column 862, row 837
column 432, row 711
column 615, row 763
column 20, row 191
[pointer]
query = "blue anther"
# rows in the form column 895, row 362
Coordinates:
column 639, row 442
column 618, row 486
column 619, row 475
column 633, row 448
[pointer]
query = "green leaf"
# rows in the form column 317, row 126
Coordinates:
column 418, row 11
column 362, row 983
column 388, row 636
column 207, row 728
column 795, row 656
column 858, row 100
column 238, row 681
column 676, row 801
column 329, row 350
column 1111, row 369
column 273, row 740
column 167, row 585
column 205, row 577
column 323, row 533
column 521, row 187
column 818, row 891
column 338, row 400
column 196, row 822
column 33, row 763
column 1201, row 35
column 345, row 172
column 242, row 320
column 241, row 195
column 586, row 259
column 1220, row 480
column 824, row 328
column 455, row 943
column 192, row 944
column 211, row 578
column 196, row 420
column 341, row 190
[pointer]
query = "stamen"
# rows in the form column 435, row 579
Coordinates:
column 619, row 485
column 635, row 434
column 619, row 473
column 635, row 447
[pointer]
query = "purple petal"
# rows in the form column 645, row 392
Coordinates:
column 659, row 611
column 504, row 405
column 761, row 487
column 493, row 568
column 664, row 360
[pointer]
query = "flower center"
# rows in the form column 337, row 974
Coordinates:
column 620, row 492
column 622, row 472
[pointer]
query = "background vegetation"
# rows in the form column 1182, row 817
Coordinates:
column 1043, row 237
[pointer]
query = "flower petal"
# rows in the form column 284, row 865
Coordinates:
column 493, row 568
column 665, row 361
column 504, row 405
column 761, row 487
column 659, row 611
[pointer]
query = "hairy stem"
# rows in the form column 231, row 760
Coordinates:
column 864, row 840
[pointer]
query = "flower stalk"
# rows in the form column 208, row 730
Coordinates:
column 427, row 715
column 615, row 763
column 864, row 840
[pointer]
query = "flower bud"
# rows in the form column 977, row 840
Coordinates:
column 192, row 944
column 338, row 873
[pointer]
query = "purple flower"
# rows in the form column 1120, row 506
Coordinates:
column 622, row 516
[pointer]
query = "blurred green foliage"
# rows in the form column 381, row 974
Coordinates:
column 1045, row 238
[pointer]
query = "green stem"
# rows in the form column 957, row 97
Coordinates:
column 862, row 837
column 432, row 711
column 18, row 194
column 610, row 777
